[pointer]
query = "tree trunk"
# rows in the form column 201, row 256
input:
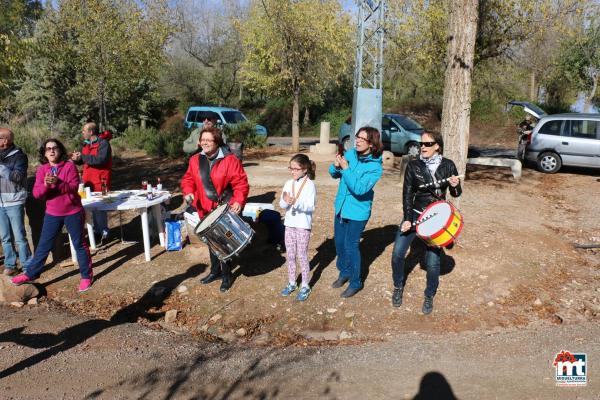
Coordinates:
column 588, row 99
column 456, row 110
column 532, row 87
column 306, row 119
column 296, row 121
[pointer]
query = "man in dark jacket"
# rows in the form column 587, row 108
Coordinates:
column 96, row 156
column 13, row 193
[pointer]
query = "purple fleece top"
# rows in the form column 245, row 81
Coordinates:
column 62, row 198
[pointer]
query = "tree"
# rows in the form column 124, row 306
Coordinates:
column 294, row 47
column 580, row 60
column 100, row 59
column 17, row 20
column 462, row 32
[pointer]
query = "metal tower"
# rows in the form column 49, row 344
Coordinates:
column 368, row 70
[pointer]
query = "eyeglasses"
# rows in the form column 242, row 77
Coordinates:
column 207, row 140
column 364, row 139
column 295, row 169
column 54, row 148
column 5, row 139
column 427, row 144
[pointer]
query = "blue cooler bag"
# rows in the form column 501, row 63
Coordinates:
column 174, row 237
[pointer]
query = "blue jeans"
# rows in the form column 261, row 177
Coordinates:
column 52, row 225
column 347, row 238
column 100, row 219
column 11, row 219
column 432, row 262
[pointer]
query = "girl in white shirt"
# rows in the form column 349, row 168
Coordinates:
column 298, row 201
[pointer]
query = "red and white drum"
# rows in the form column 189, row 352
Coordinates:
column 439, row 224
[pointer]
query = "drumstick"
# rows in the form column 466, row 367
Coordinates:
column 436, row 182
column 415, row 223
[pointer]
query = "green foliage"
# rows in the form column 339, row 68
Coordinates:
column 245, row 133
column 29, row 137
column 486, row 110
column 580, row 59
column 17, row 20
column 98, row 61
column 336, row 118
column 277, row 117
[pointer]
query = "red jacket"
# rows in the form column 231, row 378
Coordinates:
column 227, row 171
column 97, row 163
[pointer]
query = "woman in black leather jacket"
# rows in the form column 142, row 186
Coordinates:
column 429, row 167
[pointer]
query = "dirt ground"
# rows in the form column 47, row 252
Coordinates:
column 515, row 265
column 515, row 269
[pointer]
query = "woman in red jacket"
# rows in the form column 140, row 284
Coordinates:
column 230, row 184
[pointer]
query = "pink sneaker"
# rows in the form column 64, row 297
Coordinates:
column 20, row 279
column 85, row 284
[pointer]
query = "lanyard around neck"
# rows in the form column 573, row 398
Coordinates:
column 299, row 190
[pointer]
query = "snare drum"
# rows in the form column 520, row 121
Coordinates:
column 439, row 224
column 225, row 232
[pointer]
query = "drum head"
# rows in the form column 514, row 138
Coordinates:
column 210, row 219
column 435, row 218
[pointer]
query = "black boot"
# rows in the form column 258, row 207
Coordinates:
column 225, row 284
column 226, row 271
column 397, row 296
column 210, row 278
column 427, row 305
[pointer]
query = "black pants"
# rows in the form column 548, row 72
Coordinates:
column 219, row 267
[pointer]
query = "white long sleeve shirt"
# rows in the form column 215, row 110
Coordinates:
column 299, row 215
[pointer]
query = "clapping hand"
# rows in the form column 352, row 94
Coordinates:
column 340, row 162
column 288, row 199
column 50, row 180
column 76, row 156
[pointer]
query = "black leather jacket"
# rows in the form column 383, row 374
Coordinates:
column 417, row 198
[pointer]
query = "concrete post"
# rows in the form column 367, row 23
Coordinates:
column 325, row 129
column 324, row 147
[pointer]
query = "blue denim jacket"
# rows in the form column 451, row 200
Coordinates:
column 355, row 193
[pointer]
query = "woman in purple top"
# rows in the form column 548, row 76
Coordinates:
column 56, row 182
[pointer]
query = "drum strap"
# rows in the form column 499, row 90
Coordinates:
column 209, row 188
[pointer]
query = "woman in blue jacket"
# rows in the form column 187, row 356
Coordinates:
column 358, row 169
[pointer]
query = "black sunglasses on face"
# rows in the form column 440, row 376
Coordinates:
column 427, row 144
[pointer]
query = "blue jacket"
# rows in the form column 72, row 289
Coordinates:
column 13, row 177
column 355, row 193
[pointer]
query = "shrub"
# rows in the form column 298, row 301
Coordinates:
column 336, row 118
column 245, row 133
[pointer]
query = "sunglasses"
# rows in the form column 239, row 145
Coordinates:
column 427, row 144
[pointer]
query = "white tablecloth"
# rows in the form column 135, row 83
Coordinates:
column 128, row 200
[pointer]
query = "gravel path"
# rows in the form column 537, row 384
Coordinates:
column 50, row 353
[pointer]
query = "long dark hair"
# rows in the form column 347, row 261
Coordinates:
column 61, row 147
column 374, row 138
column 306, row 163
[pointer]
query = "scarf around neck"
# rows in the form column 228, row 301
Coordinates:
column 432, row 163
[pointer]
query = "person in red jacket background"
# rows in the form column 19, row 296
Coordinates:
column 230, row 184
column 96, row 156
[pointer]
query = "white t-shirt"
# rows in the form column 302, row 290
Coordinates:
column 300, row 214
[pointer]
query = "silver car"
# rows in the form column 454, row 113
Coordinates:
column 565, row 139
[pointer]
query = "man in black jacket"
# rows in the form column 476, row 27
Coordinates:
column 430, row 167
column 13, row 193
